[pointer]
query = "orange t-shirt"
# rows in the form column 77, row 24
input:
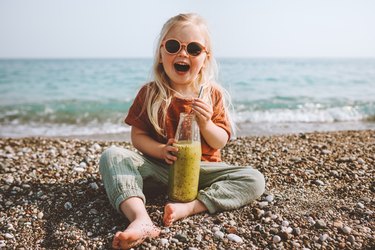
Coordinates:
column 137, row 116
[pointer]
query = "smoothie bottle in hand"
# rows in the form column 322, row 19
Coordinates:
column 184, row 173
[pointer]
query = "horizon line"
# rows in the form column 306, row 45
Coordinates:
column 217, row 57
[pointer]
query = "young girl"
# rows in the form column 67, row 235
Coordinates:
column 183, row 63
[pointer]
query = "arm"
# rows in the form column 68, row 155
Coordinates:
column 144, row 143
column 214, row 135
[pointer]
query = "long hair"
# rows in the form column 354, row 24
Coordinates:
column 159, row 91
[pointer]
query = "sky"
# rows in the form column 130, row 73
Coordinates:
column 129, row 28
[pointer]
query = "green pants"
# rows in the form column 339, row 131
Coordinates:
column 221, row 186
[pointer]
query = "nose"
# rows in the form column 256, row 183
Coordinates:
column 183, row 50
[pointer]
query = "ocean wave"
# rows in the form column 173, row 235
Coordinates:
column 336, row 114
column 55, row 130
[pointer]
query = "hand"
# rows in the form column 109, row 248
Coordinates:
column 202, row 111
column 168, row 152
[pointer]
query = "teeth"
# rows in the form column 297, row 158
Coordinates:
column 181, row 66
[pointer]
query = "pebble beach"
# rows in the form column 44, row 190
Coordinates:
column 320, row 190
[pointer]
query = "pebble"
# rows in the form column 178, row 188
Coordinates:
column 79, row 169
column 360, row 205
column 326, row 152
column 68, row 205
column 96, row 147
column 83, row 165
column 219, row 234
column 269, row 198
column 346, row 230
column 232, row 223
column 41, row 183
column 80, row 247
column 319, row 182
column 94, row 186
column 8, row 236
column 323, row 237
column 351, row 239
column 320, row 224
column 40, row 215
column 285, row 223
column 297, row 231
column 361, row 161
column 164, row 242
column 263, row 204
column 181, row 237
column 174, row 240
column 338, row 224
column 311, row 221
column 276, row 239
column 199, row 237
column 288, row 230
column 235, row 238
column 8, row 179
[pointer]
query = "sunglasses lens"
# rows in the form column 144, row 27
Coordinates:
column 194, row 49
column 172, row 46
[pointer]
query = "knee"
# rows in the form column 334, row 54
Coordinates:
column 111, row 156
column 257, row 181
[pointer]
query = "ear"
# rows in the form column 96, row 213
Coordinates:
column 160, row 59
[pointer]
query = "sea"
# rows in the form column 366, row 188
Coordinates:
column 89, row 98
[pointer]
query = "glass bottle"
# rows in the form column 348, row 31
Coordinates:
column 184, row 173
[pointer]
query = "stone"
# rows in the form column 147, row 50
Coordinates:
column 68, row 205
column 269, row 198
column 297, row 231
column 285, row 223
column 181, row 237
column 40, row 215
column 235, row 238
column 219, row 235
column 319, row 182
column 320, row 224
column 276, row 239
column 351, row 239
column 94, row 186
column 338, row 224
column 360, row 205
column 164, row 242
column 8, row 236
column 323, row 237
column 263, row 204
column 346, row 230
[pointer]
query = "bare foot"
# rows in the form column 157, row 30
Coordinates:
column 135, row 234
column 176, row 211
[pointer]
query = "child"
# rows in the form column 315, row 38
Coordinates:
column 183, row 63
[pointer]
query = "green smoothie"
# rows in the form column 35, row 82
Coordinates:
column 184, row 173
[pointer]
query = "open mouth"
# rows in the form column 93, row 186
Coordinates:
column 182, row 67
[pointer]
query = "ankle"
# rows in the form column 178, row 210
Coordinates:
column 198, row 207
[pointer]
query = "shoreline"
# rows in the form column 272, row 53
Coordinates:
column 319, row 194
column 242, row 130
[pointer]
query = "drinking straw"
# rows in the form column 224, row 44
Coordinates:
column 199, row 95
column 200, row 91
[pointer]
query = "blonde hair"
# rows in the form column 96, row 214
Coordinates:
column 159, row 91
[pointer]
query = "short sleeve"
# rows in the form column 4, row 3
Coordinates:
column 219, row 116
column 137, row 115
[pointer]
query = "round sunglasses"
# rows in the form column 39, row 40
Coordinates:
column 173, row 46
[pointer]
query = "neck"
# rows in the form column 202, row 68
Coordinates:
column 184, row 91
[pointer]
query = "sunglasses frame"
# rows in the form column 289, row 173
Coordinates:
column 182, row 45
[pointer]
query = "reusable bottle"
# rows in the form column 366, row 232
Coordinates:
column 184, row 173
